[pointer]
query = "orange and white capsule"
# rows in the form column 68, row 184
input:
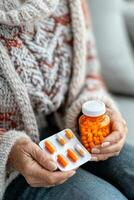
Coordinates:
column 69, row 134
column 80, row 150
column 50, row 147
column 62, row 160
column 61, row 140
column 72, row 155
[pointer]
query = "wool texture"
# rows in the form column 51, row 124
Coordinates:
column 48, row 63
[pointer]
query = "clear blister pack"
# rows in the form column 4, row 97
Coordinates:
column 65, row 148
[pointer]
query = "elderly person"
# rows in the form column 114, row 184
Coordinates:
column 49, row 67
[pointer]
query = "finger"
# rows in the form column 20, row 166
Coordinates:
column 118, row 122
column 116, row 117
column 114, row 137
column 58, row 177
column 102, row 157
column 42, row 158
column 111, row 149
column 117, row 126
column 43, row 177
column 114, row 114
column 51, row 178
column 63, row 181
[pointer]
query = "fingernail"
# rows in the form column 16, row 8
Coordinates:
column 72, row 174
column 105, row 144
column 52, row 166
column 94, row 150
column 94, row 159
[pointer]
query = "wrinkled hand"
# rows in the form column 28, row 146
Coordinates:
column 36, row 166
column 113, row 143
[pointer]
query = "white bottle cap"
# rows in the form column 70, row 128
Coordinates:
column 93, row 108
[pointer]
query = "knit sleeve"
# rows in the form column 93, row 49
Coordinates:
column 94, row 87
column 7, row 140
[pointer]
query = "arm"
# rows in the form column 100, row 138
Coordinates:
column 7, row 141
column 17, row 151
column 95, row 89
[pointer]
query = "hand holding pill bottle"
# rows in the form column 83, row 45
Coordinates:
column 94, row 124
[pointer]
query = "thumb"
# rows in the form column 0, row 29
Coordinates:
column 43, row 159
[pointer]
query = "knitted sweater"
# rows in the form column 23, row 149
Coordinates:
column 16, row 112
column 42, row 57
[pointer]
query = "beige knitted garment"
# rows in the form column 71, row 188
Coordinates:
column 42, row 57
column 85, row 80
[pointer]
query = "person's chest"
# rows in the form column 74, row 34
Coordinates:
column 43, row 57
column 45, row 40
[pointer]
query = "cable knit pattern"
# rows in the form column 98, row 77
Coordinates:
column 15, row 13
column 43, row 59
column 19, row 91
column 26, row 50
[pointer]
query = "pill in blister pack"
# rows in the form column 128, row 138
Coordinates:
column 80, row 150
column 66, row 150
column 62, row 160
column 69, row 134
column 61, row 140
column 72, row 155
column 49, row 146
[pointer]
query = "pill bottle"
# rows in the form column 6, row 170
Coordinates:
column 94, row 124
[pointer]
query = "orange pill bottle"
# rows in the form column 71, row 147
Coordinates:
column 94, row 124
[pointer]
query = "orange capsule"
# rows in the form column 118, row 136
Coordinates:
column 84, row 141
column 83, row 138
column 97, row 142
column 94, row 139
column 101, row 138
column 100, row 133
column 104, row 134
column 92, row 144
column 89, row 139
column 86, row 145
column 89, row 134
column 95, row 134
column 72, row 155
column 80, row 150
column 84, row 132
column 50, row 147
column 69, row 134
column 61, row 140
column 62, row 160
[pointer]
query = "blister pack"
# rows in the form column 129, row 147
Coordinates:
column 65, row 148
